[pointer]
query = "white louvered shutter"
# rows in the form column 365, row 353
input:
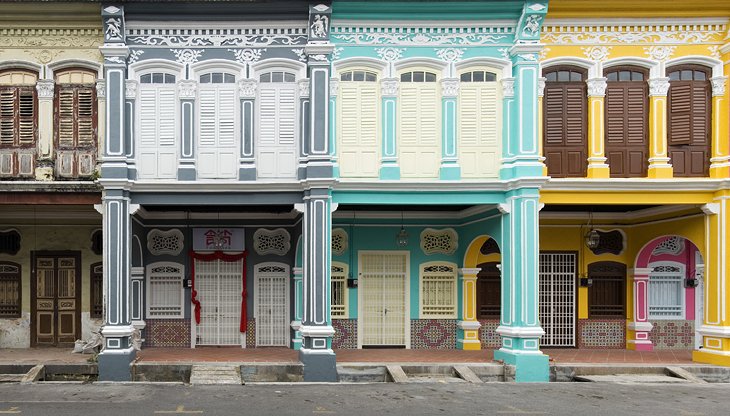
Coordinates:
column 419, row 138
column 157, row 144
column 217, row 143
column 358, row 135
column 277, row 150
column 478, row 120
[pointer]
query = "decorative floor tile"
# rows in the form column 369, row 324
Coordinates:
column 433, row 333
column 345, row 333
column 488, row 334
column 167, row 333
column 678, row 334
column 602, row 333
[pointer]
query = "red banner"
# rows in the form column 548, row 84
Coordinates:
column 229, row 258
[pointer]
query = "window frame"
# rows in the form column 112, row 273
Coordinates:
column 677, row 280
column 19, row 88
column 59, row 87
column 148, row 289
column 340, row 278
column 620, row 267
column 423, row 275
column 18, row 278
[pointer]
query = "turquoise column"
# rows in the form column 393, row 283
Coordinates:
column 450, row 169
column 389, row 169
column 298, row 309
column 519, row 324
column 334, row 88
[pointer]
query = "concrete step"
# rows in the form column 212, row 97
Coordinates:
column 631, row 378
column 215, row 374
column 11, row 378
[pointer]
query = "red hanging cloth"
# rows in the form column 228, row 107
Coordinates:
column 229, row 258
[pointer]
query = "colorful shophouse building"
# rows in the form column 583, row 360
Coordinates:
column 52, row 106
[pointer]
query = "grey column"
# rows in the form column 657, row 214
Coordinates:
column 247, row 158
column 186, row 92
column 130, row 95
column 303, row 85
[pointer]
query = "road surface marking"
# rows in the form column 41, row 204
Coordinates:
column 179, row 411
column 11, row 411
column 515, row 411
column 321, row 410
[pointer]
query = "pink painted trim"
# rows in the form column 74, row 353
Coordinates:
column 644, row 347
column 642, row 260
column 689, row 303
column 642, row 300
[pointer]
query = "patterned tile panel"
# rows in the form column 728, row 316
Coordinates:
column 602, row 333
column 488, row 335
column 251, row 334
column 668, row 335
column 345, row 333
column 433, row 334
column 167, row 333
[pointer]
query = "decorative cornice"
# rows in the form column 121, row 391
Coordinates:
column 49, row 38
column 224, row 37
column 45, row 88
column 658, row 87
column 582, row 33
column 718, row 86
column 450, row 87
column 247, row 88
column 130, row 89
column 389, row 87
column 596, row 87
column 421, row 36
column 508, row 87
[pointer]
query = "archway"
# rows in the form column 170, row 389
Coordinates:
column 481, row 288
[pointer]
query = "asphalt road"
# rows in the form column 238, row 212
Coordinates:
column 504, row 399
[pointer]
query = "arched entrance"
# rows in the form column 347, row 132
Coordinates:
column 671, row 303
column 481, row 280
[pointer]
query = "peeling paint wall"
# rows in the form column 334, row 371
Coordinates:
column 15, row 333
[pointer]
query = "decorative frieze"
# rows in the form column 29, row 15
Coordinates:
column 247, row 56
column 597, row 53
column 218, row 38
column 134, row 56
column 187, row 56
column 50, row 38
column 422, row 36
column 659, row 53
column 450, row 55
column 686, row 34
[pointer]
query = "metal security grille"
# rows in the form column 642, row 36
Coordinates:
column 383, row 285
column 218, row 284
column 272, row 323
column 338, row 302
column 438, row 291
column 557, row 299
column 666, row 291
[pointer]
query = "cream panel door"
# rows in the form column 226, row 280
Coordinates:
column 383, row 318
column 359, row 146
column 277, row 149
column 479, row 117
column 419, row 130
column 217, row 139
column 157, row 146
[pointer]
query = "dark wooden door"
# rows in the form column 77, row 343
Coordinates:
column 627, row 113
column 607, row 295
column 565, row 122
column 489, row 291
column 688, row 120
column 55, row 299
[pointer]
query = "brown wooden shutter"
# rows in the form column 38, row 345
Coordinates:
column 17, row 116
column 76, row 117
column 8, row 98
column 689, row 115
column 489, row 291
column 626, row 131
column 26, row 117
column 607, row 295
column 564, row 129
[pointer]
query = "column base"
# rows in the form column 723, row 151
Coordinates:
column 598, row 172
column 706, row 356
column 450, row 172
column 186, row 173
column 467, row 336
column 319, row 365
column 114, row 365
column 247, row 173
column 660, row 172
column 529, row 367
column 389, row 172
column 639, row 345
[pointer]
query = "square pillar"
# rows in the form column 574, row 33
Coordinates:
column 187, row 93
column 247, row 156
column 659, row 166
column 468, row 327
column 449, row 169
column 130, row 97
column 303, row 86
column 720, row 161
column 640, row 327
column 296, row 324
column 389, row 169
column 597, row 167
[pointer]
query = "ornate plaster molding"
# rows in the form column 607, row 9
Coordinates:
column 187, row 89
column 658, row 87
column 389, row 87
column 508, row 87
column 450, row 87
column 45, row 88
column 130, row 89
column 596, row 87
column 718, row 86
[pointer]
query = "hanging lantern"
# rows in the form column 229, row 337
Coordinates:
column 593, row 239
column 402, row 237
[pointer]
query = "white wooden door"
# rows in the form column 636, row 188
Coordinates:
column 277, row 149
column 557, row 299
column 157, row 146
column 383, row 291
column 272, row 305
column 217, row 138
column 219, row 288
column 419, row 132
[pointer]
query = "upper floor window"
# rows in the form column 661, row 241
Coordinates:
column 75, row 122
column 688, row 119
column 418, row 76
column 18, row 114
column 358, row 76
column 217, row 78
column 478, row 76
column 158, row 78
column 217, row 134
column 277, row 76
column 565, row 122
column 626, row 121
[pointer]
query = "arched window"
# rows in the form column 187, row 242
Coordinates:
column 627, row 114
column 157, row 146
column 18, row 123
column 217, row 138
column 277, row 144
column 165, row 293
column 75, row 122
column 688, row 119
column 565, row 122
column 419, row 132
column 358, row 124
column 479, row 119
column 438, row 290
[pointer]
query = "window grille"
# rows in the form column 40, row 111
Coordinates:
column 165, row 290
column 438, row 291
column 338, row 303
column 557, row 298
column 10, row 290
column 672, row 245
column 271, row 241
column 666, row 292
column 439, row 241
column 339, row 241
column 96, row 291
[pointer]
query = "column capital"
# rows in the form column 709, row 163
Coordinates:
column 508, row 87
column 468, row 272
column 718, row 86
column 640, row 272
column 334, row 86
column 247, row 88
column 450, row 87
column 100, row 88
column 713, row 208
column 658, row 87
column 303, row 86
column 45, row 88
column 130, row 89
column 187, row 89
column 541, row 86
column 389, row 87
column 596, row 87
